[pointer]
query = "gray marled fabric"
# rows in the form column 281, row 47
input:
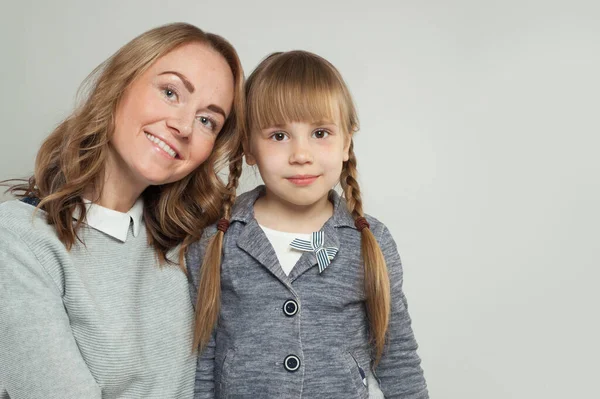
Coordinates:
column 329, row 334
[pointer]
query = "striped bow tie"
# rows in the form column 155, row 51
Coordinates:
column 315, row 244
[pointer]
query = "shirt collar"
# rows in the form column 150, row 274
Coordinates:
column 111, row 222
column 243, row 210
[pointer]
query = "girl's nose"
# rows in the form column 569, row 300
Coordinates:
column 301, row 153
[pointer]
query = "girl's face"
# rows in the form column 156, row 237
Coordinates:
column 169, row 117
column 299, row 161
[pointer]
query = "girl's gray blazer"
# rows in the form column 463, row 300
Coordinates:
column 316, row 321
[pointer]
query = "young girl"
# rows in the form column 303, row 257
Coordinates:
column 299, row 292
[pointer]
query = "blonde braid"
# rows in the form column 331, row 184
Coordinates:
column 209, row 288
column 377, row 283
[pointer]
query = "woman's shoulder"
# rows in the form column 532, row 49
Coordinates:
column 18, row 214
column 20, row 219
column 28, row 240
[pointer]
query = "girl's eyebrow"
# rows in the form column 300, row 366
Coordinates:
column 324, row 122
column 276, row 126
column 316, row 123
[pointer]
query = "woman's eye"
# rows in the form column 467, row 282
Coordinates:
column 206, row 121
column 170, row 93
column 320, row 134
column 278, row 136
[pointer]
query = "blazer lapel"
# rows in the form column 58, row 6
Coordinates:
column 253, row 241
column 309, row 259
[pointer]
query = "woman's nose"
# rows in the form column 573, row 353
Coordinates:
column 182, row 123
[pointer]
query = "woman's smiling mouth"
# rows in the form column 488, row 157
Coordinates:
column 162, row 145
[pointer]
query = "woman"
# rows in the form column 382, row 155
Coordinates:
column 92, row 285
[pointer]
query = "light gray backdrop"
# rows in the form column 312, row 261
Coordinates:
column 479, row 149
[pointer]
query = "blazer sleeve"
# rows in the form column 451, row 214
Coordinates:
column 204, row 386
column 399, row 370
column 39, row 357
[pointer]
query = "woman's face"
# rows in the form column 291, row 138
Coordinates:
column 169, row 117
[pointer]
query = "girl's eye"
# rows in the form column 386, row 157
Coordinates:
column 279, row 136
column 320, row 134
column 206, row 121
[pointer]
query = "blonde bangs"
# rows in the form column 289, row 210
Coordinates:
column 295, row 87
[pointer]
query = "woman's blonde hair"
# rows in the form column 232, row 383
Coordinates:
column 72, row 159
column 288, row 87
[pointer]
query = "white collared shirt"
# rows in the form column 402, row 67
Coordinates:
column 111, row 222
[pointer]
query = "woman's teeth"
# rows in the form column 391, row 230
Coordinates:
column 162, row 145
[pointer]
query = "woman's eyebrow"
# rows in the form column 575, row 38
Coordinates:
column 190, row 87
column 217, row 109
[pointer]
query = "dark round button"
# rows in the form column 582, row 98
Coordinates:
column 290, row 308
column 291, row 363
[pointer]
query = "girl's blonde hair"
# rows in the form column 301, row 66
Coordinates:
column 288, row 87
column 72, row 159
